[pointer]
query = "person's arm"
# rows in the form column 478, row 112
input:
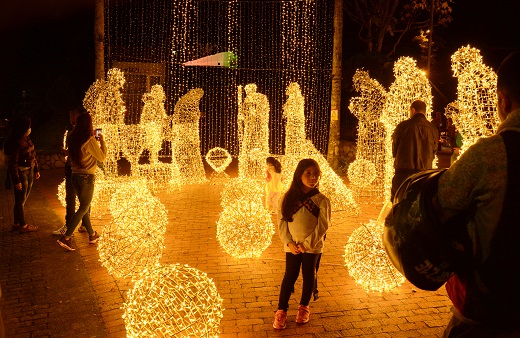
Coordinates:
column 97, row 151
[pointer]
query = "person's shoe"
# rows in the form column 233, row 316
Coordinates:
column 280, row 317
column 27, row 228
column 82, row 229
column 93, row 238
column 303, row 314
column 65, row 243
column 61, row 231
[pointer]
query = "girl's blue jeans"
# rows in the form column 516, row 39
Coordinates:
column 20, row 196
column 84, row 187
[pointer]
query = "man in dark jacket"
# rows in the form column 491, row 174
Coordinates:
column 414, row 144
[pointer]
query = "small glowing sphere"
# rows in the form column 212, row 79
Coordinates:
column 245, row 229
column 173, row 301
column 367, row 261
column 134, row 240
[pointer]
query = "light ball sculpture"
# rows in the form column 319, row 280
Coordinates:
column 134, row 240
column 173, row 301
column 245, row 229
column 362, row 172
column 367, row 261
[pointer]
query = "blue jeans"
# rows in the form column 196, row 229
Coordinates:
column 70, row 196
column 84, row 187
column 20, row 196
column 307, row 262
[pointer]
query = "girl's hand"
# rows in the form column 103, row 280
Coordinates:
column 18, row 186
column 301, row 248
column 37, row 175
column 295, row 250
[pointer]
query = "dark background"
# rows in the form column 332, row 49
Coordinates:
column 47, row 52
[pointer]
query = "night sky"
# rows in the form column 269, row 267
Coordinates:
column 48, row 49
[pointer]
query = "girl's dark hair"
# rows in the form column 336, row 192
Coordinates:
column 295, row 192
column 275, row 163
column 19, row 127
column 81, row 133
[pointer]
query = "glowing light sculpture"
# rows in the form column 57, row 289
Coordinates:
column 245, row 228
column 253, row 121
column 410, row 84
column 238, row 188
column 173, row 301
column 298, row 147
column 134, row 240
column 367, row 261
column 218, row 159
column 105, row 104
column 153, row 121
column 185, row 138
column 477, row 115
column 366, row 173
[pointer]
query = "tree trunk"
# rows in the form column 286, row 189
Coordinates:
column 335, row 97
column 99, row 39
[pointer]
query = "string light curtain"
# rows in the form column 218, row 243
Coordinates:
column 275, row 43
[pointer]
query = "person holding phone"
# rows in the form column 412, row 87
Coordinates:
column 85, row 152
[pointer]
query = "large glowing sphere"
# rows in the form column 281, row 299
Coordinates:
column 367, row 261
column 245, row 229
column 134, row 240
column 173, row 301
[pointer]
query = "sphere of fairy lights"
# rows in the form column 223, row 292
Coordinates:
column 173, row 301
column 218, row 158
column 240, row 188
column 362, row 172
column 367, row 261
column 245, row 229
column 134, row 240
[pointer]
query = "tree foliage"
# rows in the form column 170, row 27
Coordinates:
column 384, row 23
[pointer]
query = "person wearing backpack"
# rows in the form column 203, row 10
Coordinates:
column 486, row 179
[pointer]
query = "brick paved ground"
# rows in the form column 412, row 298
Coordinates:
column 33, row 306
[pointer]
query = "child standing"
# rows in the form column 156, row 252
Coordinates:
column 273, row 187
column 303, row 220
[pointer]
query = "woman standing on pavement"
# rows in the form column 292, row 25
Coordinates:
column 22, row 168
column 85, row 152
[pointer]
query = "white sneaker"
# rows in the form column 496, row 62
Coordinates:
column 61, row 231
column 82, row 229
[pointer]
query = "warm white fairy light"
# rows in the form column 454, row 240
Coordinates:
column 245, row 228
column 477, row 114
column 173, row 301
column 240, row 188
column 367, row 261
column 154, row 121
column 366, row 173
column 159, row 176
column 218, row 159
column 254, row 145
column 410, row 84
column 185, row 138
column 134, row 240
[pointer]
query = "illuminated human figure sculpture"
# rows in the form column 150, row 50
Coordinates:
column 366, row 173
column 294, row 114
column 254, row 145
column 477, row 114
column 185, row 137
column 104, row 102
column 299, row 147
column 410, row 84
column 153, row 119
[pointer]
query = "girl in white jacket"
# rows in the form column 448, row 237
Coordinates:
column 303, row 220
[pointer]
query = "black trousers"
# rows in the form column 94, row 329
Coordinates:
column 293, row 263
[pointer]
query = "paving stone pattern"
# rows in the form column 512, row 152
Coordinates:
column 48, row 292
